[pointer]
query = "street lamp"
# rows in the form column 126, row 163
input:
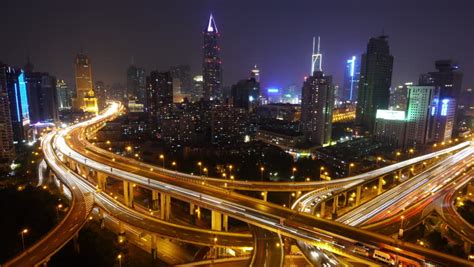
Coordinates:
column 57, row 209
column 293, row 172
column 174, row 165
column 119, row 257
column 22, row 233
column 230, row 169
column 400, row 231
column 351, row 165
column 205, row 171
column 261, row 173
column 162, row 157
column 200, row 167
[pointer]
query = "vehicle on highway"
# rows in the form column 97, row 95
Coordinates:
column 384, row 257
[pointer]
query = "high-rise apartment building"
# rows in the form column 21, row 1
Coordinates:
column 7, row 148
column 317, row 103
column 255, row 73
column 374, row 84
column 181, row 76
column 159, row 95
column 211, row 69
column 197, row 89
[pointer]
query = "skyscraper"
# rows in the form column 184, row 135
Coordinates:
column 85, row 98
column 448, row 78
column 212, row 72
column 422, row 101
column 43, row 100
column 65, row 95
column 317, row 103
column 351, row 80
column 7, row 149
column 13, row 83
column 159, row 95
column 246, row 94
column 136, row 84
column 197, row 89
column 374, row 84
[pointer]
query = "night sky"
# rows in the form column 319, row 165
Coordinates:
column 276, row 35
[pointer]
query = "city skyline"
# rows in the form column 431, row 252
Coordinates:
column 130, row 38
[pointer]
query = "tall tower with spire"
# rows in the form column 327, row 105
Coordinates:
column 317, row 57
column 211, row 67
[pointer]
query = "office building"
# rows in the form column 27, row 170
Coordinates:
column 85, row 96
column 422, row 100
column 398, row 97
column 442, row 119
column 136, row 85
column 317, row 103
column 197, row 88
column 351, row 80
column 13, row 82
column 43, row 99
column 212, row 72
column 374, row 84
column 246, row 94
column 447, row 77
column 390, row 126
column 65, row 95
column 7, row 148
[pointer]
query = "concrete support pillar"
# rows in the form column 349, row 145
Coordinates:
column 155, row 199
column 153, row 247
column 75, row 241
column 191, row 209
column 128, row 193
column 358, row 193
column 198, row 213
column 72, row 165
column 323, row 209
column 467, row 247
column 121, row 234
column 216, row 221
column 102, row 180
column 165, row 206
column 264, row 195
column 335, row 203
column 225, row 222
column 61, row 188
column 380, row 186
column 345, row 199
column 101, row 219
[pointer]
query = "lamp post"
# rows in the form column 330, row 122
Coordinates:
column 57, row 209
column 175, row 166
column 293, row 172
column 22, row 233
column 119, row 257
column 351, row 165
column 162, row 157
column 400, row 231
column 262, row 169
column 200, row 167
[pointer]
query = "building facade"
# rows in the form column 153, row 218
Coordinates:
column 136, row 85
column 374, row 84
column 317, row 103
column 351, row 80
column 65, row 95
column 246, row 94
column 43, row 100
column 85, row 96
column 422, row 100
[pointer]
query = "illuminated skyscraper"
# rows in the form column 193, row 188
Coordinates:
column 422, row 105
column 14, row 83
column 351, row 80
column 85, row 98
column 374, row 84
column 212, row 72
column 317, row 57
column 317, row 103
column 159, row 95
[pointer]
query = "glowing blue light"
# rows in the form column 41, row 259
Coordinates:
column 24, row 98
column 251, row 99
column 444, row 107
column 273, row 90
column 433, row 110
column 352, row 65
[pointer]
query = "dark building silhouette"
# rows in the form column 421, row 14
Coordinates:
column 181, row 78
column 7, row 148
column 211, row 67
column 43, row 99
column 136, row 84
column 246, row 94
column 374, row 85
column 159, row 95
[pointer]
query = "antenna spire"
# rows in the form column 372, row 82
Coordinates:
column 317, row 57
